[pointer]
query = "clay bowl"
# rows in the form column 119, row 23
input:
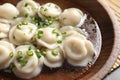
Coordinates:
column 110, row 40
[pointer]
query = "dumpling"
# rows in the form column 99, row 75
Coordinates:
column 7, row 54
column 48, row 37
column 17, row 21
column 69, row 30
column 27, row 64
column 54, row 58
column 29, row 7
column 55, row 24
column 50, row 10
column 78, row 50
column 4, row 29
column 71, row 17
column 8, row 11
column 22, row 33
column 5, row 21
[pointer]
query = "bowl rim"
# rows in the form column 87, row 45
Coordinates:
column 116, row 46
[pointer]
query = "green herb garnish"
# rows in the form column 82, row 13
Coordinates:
column 56, row 32
column 26, row 15
column 9, row 69
column 24, row 22
column 42, row 23
column 13, row 37
column 26, row 4
column 59, row 41
column 43, row 53
column 30, row 48
column 15, row 17
column 19, row 54
column 56, row 7
column 39, row 34
column 19, row 26
column 64, row 35
column 45, row 9
column 23, row 62
column 11, row 54
column 38, row 54
column 29, row 53
column 54, row 53
column 31, row 30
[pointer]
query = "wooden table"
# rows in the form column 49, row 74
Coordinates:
column 115, row 6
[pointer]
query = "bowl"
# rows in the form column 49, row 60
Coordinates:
column 110, row 40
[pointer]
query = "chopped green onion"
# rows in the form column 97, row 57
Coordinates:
column 35, row 9
column 42, row 23
column 45, row 9
column 15, row 17
column 42, row 8
column 26, row 15
column 64, row 35
column 38, row 54
column 50, row 22
column 59, row 41
column 13, row 37
column 19, row 59
column 29, row 53
column 39, row 34
column 26, row 4
column 56, row 32
column 9, row 69
column 56, row 7
column 43, row 53
column 54, row 53
column 19, row 54
column 19, row 27
column 30, row 48
column 31, row 30
column 23, row 62
column 11, row 54
column 24, row 22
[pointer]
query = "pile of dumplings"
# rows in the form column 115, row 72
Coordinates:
column 32, row 35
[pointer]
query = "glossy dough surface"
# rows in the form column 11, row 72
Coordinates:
column 33, row 35
column 8, row 8
column 32, row 68
column 7, row 54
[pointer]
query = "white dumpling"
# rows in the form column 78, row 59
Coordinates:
column 4, row 29
column 8, row 11
column 54, row 58
column 48, row 37
column 69, row 30
column 78, row 50
column 50, row 10
column 17, row 21
column 5, row 21
column 71, row 17
column 22, row 33
column 7, row 54
column 28, row 7
column 27, row 63
column 55, row 24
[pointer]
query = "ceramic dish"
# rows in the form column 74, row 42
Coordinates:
column 110, row 42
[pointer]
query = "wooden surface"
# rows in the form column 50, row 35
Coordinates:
column 110, row 45
column 115, row 6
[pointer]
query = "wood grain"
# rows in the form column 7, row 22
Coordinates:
column 110, row 40
column 115, row 6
